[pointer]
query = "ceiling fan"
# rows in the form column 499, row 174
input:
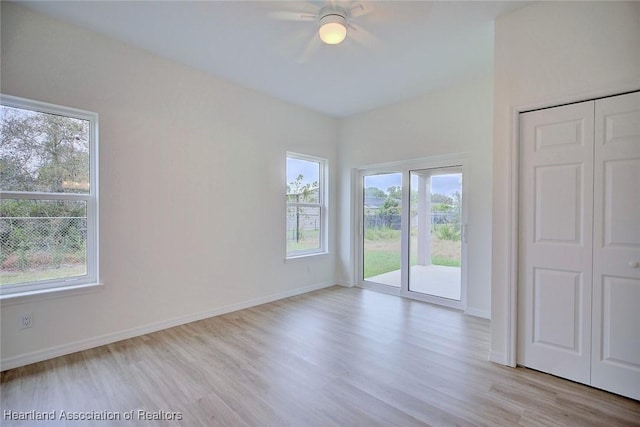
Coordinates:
column 332, row 23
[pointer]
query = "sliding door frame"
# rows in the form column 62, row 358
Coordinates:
column 405, row 168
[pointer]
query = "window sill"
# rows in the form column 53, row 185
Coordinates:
column 305, row 257
column 44, row 294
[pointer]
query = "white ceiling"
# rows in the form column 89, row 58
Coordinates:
column 399, row 49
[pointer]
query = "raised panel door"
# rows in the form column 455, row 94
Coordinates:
column 556, row 199
column 616, row 252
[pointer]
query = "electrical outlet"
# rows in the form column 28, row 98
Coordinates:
column 26, row 321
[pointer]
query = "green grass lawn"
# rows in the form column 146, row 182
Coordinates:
column 380, row 262
column 382, row 251
column 437, row 260
column 7, row 277
column 310, row 240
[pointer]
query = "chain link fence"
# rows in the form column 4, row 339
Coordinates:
column 40, row 243
column 394, row 221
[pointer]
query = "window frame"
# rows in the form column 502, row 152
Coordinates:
column 322, row 204
column 90, row 198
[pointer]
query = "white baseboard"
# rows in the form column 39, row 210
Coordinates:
column 61, row 350
column 478, row 313
column 345, row 283
column 497, row 358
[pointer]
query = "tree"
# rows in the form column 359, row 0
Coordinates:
column 43, row 152
column 394, row 192
column 457, row 210
column 374, row 192
column 441, row 198
column 17, row 149
column 391, row 206
column 297, row 192
column 302, row 193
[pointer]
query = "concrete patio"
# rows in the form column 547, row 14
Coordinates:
column 437, row 280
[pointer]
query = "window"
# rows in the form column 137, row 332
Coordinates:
column 49, row 197
column 306, row 208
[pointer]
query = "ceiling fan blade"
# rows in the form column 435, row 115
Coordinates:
column 284, row 15
column 359, row 10
column 363, row 37
column 310, row 49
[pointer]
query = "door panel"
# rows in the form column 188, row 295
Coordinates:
column 621, row 206
column 556, row 314
column 620, row 343
column 616, row 266
column 562, row 134
column 556, row 199
column 381, row 238
column 558, row 204
column 435, row 225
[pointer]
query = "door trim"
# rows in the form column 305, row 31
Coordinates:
column 509, row 356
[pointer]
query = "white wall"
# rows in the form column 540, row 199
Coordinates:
column 545, row 54
column 451, row 120
column 192, row 211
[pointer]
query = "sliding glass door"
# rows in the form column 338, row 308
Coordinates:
column 412, row 235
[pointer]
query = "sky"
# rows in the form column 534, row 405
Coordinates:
column 308, row 169
column 440, row 184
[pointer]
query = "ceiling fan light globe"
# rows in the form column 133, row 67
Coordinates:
column 333, row 29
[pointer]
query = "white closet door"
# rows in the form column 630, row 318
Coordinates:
column 556, row 214
column 616, row 266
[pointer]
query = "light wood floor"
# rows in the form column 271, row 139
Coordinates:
column 335, row 357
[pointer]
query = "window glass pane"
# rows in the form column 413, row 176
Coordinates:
column 435, row 246
column 381, row 243
column 42, row 240
column 43, row 152
column 303, row 181
column 303, row 228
